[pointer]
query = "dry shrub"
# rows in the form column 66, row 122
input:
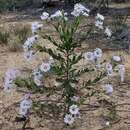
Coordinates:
column 22, row 31
column 19, row 34
column 14, row 44
column 4, row 37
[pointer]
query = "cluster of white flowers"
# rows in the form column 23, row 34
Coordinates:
column 109, row 69
column 29, row 42
column 94, row 56
column 44, row 16
column 45, row 67
column 29, row 53
column 80, row 10
column 27, row 47
column 39, row 72
column 99, row 23
column 74, row 114
column 59, row 13
column 10, row 76
column 25, row 105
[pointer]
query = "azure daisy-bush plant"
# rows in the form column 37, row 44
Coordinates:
column 63, row 96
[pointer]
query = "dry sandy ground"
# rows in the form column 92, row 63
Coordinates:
column 16, row 60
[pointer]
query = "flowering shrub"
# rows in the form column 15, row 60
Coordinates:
column 66, row 66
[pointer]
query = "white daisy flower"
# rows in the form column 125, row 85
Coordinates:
column 121, row 70
column 99, row 21
column 45, row 67
column 98, row 53
column 89, row 56
column 99, row 24
column 108, row 88
column 36, row 26
column 44, row 16
column 79, row 9
column 100, row 17
column 10, row 76
column 74, row 109
column 116, row 58
column 25, row 105
column 109, row 69
column 57, row 14
column 108, row 32
column 69, row 119
column 79, row 6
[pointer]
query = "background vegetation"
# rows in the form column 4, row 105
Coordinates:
column 11, row 5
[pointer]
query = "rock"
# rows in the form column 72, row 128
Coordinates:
column 125, row 38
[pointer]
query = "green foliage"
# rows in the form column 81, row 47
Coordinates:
column 12, row 4
column 66, row 56
column 66, row 71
